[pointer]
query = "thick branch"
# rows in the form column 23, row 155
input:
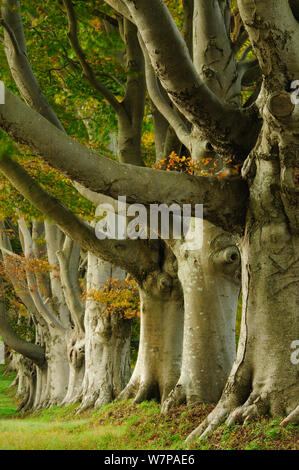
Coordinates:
column 161, row 104
column 130, row 124
column 188, row 6
column 224, row 126
column 22, row 293
column 67, row 264
column 19, row 64
column 136, row 257
column 87, row 69
column 121, row 8
column 32, row 284
column 274, row 34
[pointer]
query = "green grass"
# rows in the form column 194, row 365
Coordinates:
column 124, row 425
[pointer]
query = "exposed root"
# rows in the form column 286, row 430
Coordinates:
column 291, row 418
column 95, row 400
column 255, row 407
column 87, row 403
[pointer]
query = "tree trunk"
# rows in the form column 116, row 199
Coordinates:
column 160, row 347
column 264, row 378
column 210, row 278
column 107, row 343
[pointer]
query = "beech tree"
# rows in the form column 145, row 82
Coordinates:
column 197, row 90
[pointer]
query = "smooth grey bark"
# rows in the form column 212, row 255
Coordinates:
column 235, row 192
column 130, row 91
column 213, row 52
column 52, row 309
column 48, row 296
column 210, row 276
column 264, row 379
column 69, row 258
column 161, row 127
column 130, row 123
column 130, row 113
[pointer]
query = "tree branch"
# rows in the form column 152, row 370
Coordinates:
column 226, row 127
column 12, row 37
column 22, row 293
column 161, row 104
column 188, row 6
column 121, row 8
column 32, row 284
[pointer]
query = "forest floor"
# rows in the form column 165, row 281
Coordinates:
column 126, row 426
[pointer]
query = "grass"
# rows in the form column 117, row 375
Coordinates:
column 126, row 426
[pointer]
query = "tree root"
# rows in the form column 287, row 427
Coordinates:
column 291, row 418
column 140, row 392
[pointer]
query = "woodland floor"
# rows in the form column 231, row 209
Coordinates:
column 124, row 425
